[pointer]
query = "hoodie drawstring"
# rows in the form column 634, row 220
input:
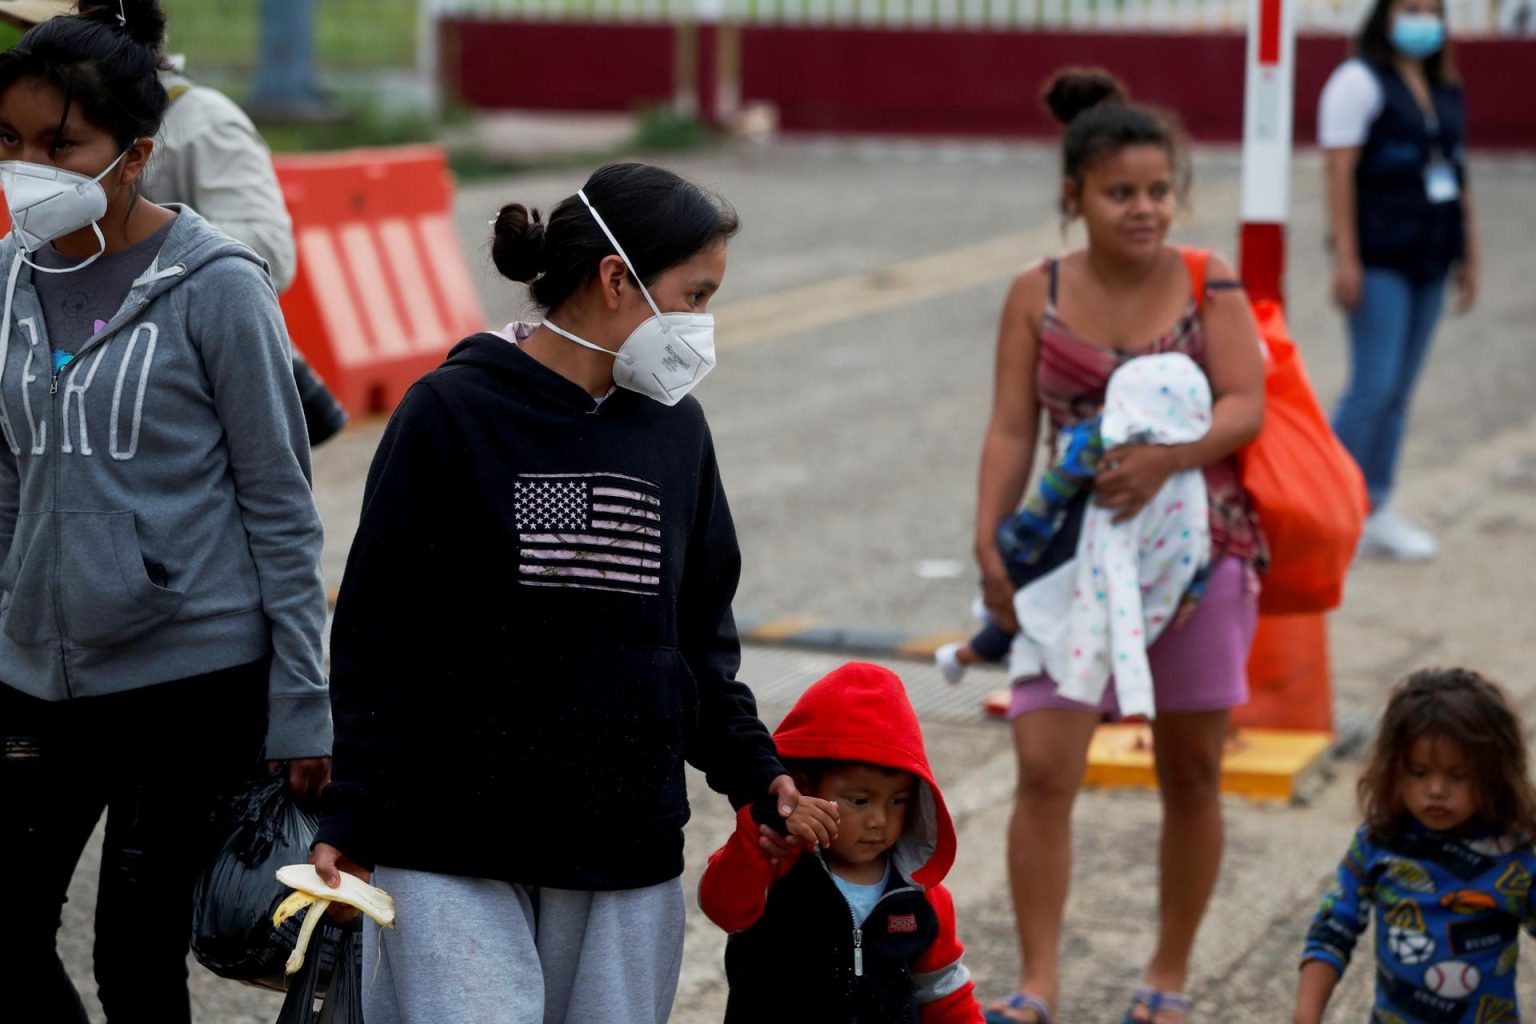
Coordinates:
column 151, row 276
column 5, row 325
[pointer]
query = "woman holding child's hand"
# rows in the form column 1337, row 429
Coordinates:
column 540, row 590
column 813, row 822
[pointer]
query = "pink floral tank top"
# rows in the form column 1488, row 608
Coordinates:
column 1072, row 375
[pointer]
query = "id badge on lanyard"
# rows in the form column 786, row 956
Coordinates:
column 1440, row 182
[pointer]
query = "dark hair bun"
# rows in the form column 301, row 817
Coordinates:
column 142, row 20
column 1072, row 91
column 517, row 247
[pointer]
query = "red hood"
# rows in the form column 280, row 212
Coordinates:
column 860, row 712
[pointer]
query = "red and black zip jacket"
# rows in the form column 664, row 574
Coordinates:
column 792, row 930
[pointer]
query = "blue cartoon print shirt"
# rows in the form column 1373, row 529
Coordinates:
column 1449, row 909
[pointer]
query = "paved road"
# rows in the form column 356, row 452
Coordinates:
column 856, row 329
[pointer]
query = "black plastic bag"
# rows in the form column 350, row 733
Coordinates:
column 258, row 831
column 344, row 996
column 336, row 955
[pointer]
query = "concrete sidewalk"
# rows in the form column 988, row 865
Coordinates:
column 1472, row 606
column 848, row 420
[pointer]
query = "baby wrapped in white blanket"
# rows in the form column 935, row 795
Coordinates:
column 1093, row 617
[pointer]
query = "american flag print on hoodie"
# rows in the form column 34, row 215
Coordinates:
column 593, row 531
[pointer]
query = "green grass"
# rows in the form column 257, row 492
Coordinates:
column 661, row 129
column 657, row 130
column 359, row 128
column 349, row 34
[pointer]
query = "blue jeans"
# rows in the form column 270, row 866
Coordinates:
column 1389, row 335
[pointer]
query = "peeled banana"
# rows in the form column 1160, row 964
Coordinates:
column 312, row 892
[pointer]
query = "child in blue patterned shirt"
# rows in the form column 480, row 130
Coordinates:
column 1444, row 857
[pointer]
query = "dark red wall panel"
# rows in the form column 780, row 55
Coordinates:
column 941, row 82
column 559, row 65
column 977, row 82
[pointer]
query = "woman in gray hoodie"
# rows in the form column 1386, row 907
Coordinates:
column 161, row 604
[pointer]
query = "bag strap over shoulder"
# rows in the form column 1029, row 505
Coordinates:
column 1196, row 261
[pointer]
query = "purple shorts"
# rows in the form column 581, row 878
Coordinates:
column 1199, row 666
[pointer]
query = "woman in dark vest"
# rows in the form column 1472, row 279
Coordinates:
column 1392, row 125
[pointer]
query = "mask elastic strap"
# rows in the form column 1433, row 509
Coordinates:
column 108, row 169
column 101, row 240
column 583, row 342
column 625, row 257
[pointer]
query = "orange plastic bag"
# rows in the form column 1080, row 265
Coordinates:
column 1305, row 486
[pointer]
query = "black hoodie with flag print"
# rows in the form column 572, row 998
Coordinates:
column 534, row 632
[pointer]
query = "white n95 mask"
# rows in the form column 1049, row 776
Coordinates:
column 667, row 355
column 48, row 202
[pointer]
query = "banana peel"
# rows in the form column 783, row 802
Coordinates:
column 310, row 891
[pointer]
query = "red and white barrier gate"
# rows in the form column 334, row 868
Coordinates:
column 383, row 290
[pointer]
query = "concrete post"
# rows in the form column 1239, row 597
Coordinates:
column 285, row 83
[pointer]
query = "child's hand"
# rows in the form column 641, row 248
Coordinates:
column 775, row 846
column 813, row 821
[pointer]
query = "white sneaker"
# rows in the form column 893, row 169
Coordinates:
column 947, row 659
column 1389, row 535
column 979, row 609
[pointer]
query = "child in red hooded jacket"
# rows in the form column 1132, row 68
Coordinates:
column 861, row 923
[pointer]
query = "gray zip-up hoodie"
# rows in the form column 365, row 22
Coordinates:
column 156, row 516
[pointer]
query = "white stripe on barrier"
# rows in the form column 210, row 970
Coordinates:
column 447, row 267
column 1267, row 118
column 373, row 290
column 428, row 332
column 322, row 264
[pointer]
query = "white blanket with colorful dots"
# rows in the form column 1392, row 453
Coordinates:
column 1092, row 619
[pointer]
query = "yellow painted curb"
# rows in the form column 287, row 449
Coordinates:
column 924, row 646
column 778, row 629
column 1261, row 764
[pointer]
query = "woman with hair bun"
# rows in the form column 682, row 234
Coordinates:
column 162, row 602
column 534, row 632
column 1066, row 326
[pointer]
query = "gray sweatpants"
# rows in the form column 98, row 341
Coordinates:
column 476, row 951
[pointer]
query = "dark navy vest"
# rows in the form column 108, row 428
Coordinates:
column 1399, row 226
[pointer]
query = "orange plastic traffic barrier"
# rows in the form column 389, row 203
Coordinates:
column 1311, row 500
column 1290, row 685
column 382, row 290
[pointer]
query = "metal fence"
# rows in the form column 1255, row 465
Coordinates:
column 1472, row 17
column 363, row 37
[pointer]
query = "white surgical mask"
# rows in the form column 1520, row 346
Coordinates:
column 48, row 202
column 666, row 355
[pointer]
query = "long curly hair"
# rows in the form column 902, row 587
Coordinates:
column 1465, row 708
